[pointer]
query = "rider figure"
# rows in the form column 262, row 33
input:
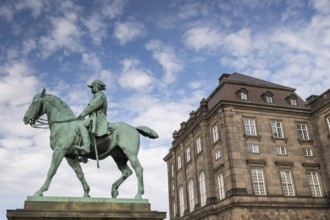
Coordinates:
column 97, row 112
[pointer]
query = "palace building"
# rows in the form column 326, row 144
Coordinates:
column 252, row 150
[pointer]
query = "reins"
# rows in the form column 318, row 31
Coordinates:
column 42, row 123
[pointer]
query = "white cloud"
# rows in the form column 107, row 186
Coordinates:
column 113, row 9
column 128, row 31
column 96, row 27
column 91, row 60
column 7, row 13
column 167, row 58
column 135, row 77
column 34, row 5
column 65, row 34
column 203, row 37
column 28, row 46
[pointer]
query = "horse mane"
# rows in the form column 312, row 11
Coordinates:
column 59, row 102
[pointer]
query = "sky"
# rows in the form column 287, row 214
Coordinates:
column 158, row 59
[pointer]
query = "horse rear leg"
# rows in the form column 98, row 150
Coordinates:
column 139, row 174
column 55, row 163
column 74, row 164
column 125, row 171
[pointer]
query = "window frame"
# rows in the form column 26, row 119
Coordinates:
column 199, row 147
column 303, row 134
column 315, row 188
column 281, row 150
column 277, row 129
column 258, row 181
column 215, row 133
column 287, row 183
column 253, row 148
column 218, row 154
column 308, row 152
column 202, row 188
column 191, row 195
column 221, row 186
column 188, row 154
column 328, row 122
column 179, row 161
column 250, row 129
column 181, row 201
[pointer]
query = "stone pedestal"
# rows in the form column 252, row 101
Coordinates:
column 60, row 208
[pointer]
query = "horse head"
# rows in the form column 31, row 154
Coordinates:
column 35, row 109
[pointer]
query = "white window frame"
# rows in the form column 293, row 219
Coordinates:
column 293, row 101
column 218, row 154
column 253, row 148
column 221, row 185
column 302, row 132
column 281, row 150
column 188, row 154
column 277, row 129
column 198, row 145
column 250, row 126
column 174, row 210
column 269, row 99
column 215, row 133
column 181, row 201
column 179, row 162
column 308, row 152
column 202, row 189
column 243, row 95
column 191, row 195
column 287, row 183
column 328, row 122
column 258, row 181
column 172, row 170
column 314, row 184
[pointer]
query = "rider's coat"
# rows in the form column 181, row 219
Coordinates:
column 97, row 111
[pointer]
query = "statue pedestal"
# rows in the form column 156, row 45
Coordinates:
column 59, row 208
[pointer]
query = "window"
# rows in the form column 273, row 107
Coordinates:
column 328, row 122
column 293, row 100
column 173, row 187
column 199, row 145
column 258, row 182
column 218, row 154
column 191, row 195
column 308, row 152
column 242, row 94
column 250, row 126
column 253, row 148
column 280, row 150
column 268, row 97
column 215, row 132
column 221, row 183
column 174, row 210
column 179, row 163
column 181, row 201
column 202, row 188
column 287, row 184
column 277, row 129
column 314, row 184
column 188, row 154
column 302, row 132
column 172, row 170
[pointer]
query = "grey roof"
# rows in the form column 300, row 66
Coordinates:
column 241, row 78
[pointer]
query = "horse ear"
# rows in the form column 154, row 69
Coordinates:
column 43, row 92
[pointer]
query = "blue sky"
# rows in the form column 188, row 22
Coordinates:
column 158, row 60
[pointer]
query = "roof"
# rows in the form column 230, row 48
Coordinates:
column 244, row 79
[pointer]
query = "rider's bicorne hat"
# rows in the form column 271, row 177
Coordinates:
column 97, row 82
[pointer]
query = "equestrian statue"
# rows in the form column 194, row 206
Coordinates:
column 78, row 139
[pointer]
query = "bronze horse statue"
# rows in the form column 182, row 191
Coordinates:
column 123, row 145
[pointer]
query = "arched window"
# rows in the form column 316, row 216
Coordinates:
column 202, row 188
column 268, row 97
column 181, row 201
column 191, row 195
column 243, row 94
column 292, row 100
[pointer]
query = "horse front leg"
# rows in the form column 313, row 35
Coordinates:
column 55, row 163
column 74, row 164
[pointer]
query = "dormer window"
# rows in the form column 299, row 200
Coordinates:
column 268, row 97
column 292, row 99
column 242, row 94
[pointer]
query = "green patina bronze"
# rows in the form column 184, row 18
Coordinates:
column 121, row 141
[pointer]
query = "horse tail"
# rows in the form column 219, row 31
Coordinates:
column 146, row 131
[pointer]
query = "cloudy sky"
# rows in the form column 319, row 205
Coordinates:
column 158, row 60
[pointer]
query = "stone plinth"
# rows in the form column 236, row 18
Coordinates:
column 59, row 208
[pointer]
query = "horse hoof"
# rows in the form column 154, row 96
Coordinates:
column 114, row 194
column 86, row 196
column 138, row 197
column 38, row 194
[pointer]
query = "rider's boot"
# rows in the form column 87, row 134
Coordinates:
column 85, row 148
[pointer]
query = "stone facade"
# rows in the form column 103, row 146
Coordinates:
column 252, row 150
